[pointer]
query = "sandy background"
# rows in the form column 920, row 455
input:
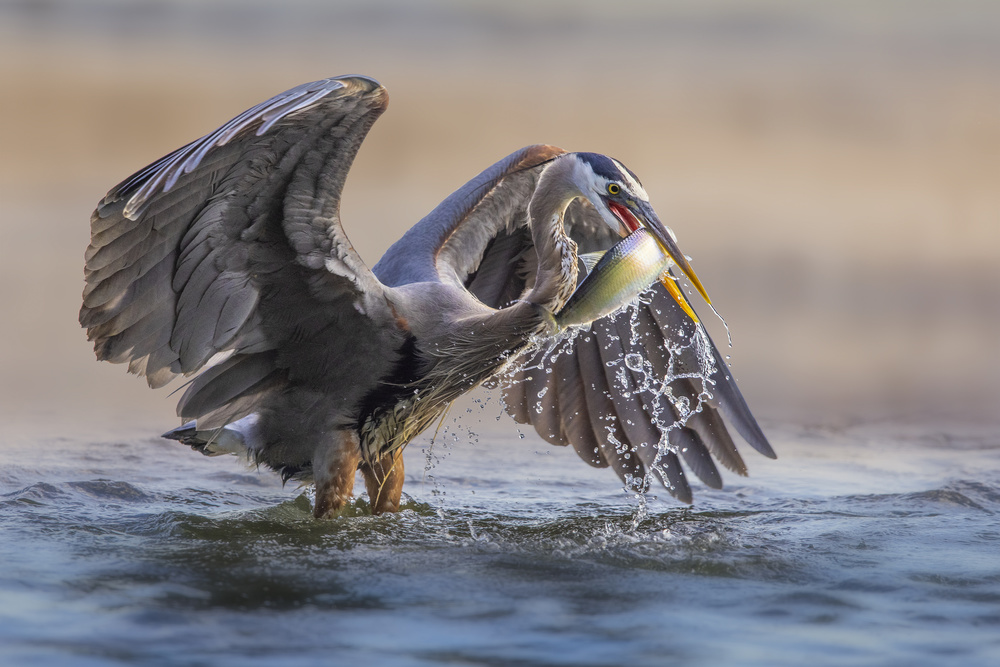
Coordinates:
column 832, row 168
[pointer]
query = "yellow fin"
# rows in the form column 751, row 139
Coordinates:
column 674, row 290
column 590, row 259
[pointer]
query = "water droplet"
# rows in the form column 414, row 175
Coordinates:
column 634, row 361
column 683, row 406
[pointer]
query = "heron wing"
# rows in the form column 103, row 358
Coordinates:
column 232, row 246
column 654, row 390
column 478, row 237
column 452, row 241
column 582, row 392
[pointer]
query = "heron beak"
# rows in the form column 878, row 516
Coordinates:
column 635, row 213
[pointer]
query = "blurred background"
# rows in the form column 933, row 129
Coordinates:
column 833, row 168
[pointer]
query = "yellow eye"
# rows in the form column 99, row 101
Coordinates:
column 613, row 189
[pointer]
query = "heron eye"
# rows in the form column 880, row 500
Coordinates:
column 613, row 189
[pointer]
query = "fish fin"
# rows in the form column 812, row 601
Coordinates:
column 590, row 259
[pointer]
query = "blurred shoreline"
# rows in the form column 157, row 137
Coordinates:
column 832, row 171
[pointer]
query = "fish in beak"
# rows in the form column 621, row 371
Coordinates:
column 635, row 214
column 631, row 266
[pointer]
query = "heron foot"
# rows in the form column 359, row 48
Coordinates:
column 334, row 467
column 384, row 482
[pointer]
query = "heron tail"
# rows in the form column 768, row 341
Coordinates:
column 234, row 438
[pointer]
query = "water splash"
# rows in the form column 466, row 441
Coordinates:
column 729, row 335
column 671, row 382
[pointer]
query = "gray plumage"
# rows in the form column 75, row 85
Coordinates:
column 227, row 261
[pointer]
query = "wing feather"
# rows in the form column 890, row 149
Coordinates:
column 726, row 396
column 604, row 422
column 696, row 456
column 542, row 401
column 515, row 398
column 672, row 475
column 656, row 352
column 640, row 433
column 712, row 433
column 641, row 409
column 632, row 408
column 220, row 385
column 234, row 243
column 150, row 299
column 576, row 423
column 450, row 243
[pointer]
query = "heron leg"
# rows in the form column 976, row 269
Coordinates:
column 384, row 482
column 334, row 467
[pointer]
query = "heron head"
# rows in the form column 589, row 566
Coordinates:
column 616, row 193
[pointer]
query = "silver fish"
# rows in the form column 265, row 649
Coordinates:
column 621, row 274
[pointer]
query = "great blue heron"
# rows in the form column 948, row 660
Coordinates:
column 228, row 257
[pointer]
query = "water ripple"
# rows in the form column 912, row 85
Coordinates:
column 184, row 567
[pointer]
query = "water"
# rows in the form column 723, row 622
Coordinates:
column 875, row 544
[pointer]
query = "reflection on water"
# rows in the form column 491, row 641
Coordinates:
column 872, row 544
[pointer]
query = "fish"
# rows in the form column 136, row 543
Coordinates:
column 618, row 277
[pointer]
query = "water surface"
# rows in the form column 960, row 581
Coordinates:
column 875, row 544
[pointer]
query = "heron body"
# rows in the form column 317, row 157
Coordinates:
column 227, row 261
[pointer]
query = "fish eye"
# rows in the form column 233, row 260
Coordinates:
column 613, row 188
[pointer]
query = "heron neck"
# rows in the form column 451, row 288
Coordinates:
column 557, row 264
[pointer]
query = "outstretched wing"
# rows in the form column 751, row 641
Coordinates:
column 230, row 250
column 478, row 237
column 615, row 390
column 639, row 390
